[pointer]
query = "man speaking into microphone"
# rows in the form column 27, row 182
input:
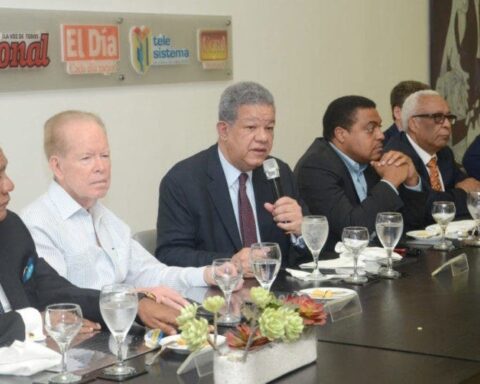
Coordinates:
column 219, row 201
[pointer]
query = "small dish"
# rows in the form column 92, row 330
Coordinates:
column 178, row 345
column 423, row 234
column 455, row 229
column 328, row 293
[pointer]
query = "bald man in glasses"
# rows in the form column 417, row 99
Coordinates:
column 429, row 122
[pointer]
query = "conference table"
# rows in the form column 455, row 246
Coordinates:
column 416, row 329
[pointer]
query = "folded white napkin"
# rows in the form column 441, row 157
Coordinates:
column 26, row 358
column 304, row 275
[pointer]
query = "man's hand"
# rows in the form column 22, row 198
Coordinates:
column 243, row 257
column 397, row 168
column 155, row 315
column 287, row 213
column 89, row 326
column 470, row 184
column 167, row 296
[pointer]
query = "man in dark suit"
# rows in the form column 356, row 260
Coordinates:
column 429, row 122
column 198, row 215
column 397, row 97
column 347, row 177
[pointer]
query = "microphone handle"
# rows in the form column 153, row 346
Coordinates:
column 277, row 188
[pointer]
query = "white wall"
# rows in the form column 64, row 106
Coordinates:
column 307, row 52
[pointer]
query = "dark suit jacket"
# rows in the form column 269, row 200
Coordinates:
column 451, row 175
column 390, row 133
column 196, row 221
column 471, row 159
column 327, row 188
column 29, row 281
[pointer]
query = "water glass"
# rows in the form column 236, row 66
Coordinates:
column 443, row 212
column 314, row 234
column 355, row 240
column 389, row 228
column 473, row 205
column 62, row 322
column 227, row 273
column 119, row 305
column 265, row 261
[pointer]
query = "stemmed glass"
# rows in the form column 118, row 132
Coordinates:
column 443, row 212
column 389, row 228
column 473, row 205
column 315, row 233
column 227, row 273
column 355, row 240
column 62, row 322
column 265, row 259
column 118, row 305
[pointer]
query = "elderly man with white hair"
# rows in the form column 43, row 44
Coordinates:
column 428, row 121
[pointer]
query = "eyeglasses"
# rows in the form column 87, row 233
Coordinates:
column 439, row 118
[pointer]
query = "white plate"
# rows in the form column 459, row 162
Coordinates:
column 424, row 234
column 454, row 228
column 182, row 348
column 328, row 293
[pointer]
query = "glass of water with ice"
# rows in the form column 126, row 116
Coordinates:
column 443, row 212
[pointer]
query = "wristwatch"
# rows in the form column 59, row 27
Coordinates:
column 148, row 295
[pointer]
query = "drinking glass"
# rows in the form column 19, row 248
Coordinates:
column 443, row 212
column 227, row 273
column 265, row 260
column 315, row 233
column 118, row 305
column 62, row 322
column 389, row 228
column 355, row 240
column 473, row 205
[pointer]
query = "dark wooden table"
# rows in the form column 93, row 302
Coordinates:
column 416, row 329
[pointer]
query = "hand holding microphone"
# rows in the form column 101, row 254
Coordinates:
column 286, row 212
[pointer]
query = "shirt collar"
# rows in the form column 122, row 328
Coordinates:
column 231, row 172
column 351, row 164
column 424, row 155
column 66, row 205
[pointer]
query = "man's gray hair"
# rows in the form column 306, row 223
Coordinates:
column 243, row 93
column 411, row 104
column 53, row 138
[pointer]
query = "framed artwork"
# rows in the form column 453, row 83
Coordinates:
column 455, row 64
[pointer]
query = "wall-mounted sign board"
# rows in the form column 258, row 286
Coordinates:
column 42, row 49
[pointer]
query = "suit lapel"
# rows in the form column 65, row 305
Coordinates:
column 263, row 193
column 417, row 161
column 220, row 196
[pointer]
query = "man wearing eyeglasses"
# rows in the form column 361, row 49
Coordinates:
column 429, row 123
column 347, row 177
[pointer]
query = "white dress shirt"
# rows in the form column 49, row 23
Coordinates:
column 425, row 157
column 65, row 235
column 231, row 175
column 30, row 316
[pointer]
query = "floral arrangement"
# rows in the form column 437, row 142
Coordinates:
column 269, row 320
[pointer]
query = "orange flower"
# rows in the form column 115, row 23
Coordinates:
column 311, row 311
column 238, row 338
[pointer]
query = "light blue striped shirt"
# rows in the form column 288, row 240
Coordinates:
column 65, row 235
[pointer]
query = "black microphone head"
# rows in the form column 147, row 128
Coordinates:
column 271, row 169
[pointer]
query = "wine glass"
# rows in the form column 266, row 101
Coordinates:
column 389, row 228
column 443, row 212
column 355, row 240
column 315, row 233
column 118, row 305
column 227, row 273
column 265, row 260
column 473, row 205
column 62, row 322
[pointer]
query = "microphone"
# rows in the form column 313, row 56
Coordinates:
column 272, row 171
